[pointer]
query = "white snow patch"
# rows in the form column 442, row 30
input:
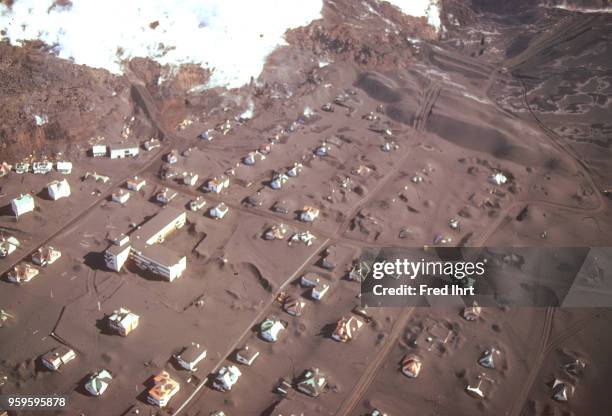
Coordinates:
column 574, row 8
column 421, row 8
column 249, row 112
column 231, row 37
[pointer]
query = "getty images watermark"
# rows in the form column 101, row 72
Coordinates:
column 408, row 269
column 491, row 276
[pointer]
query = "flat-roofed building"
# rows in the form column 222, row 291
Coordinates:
column 160, row 226
column 121, row 150
column 145, row 250
column 159, row 260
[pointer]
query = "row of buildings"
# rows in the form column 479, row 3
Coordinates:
column 38, row 167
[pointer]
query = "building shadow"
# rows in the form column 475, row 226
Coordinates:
column 7, row 211
column 95, row 261
column 327, row 330
column 44, row 194
column 102, row 325
column 80, row 386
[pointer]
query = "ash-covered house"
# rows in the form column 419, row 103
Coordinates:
column 99, row 150
column 63, row 167
column 197, row 204
column 58, row 357
column 219, row 211
column 190, row 178
column 246, row 355
column 21, row 273
column 45, row 256
column 251, row 158
column 96, row 177
column 190, row 356
column 135, row 184
column 165, row 196
column 120, row 196
column 58, row 189
column 22, row 167
column 5, row 168
column 98, row 382
column 312, row 382
column 278, row 180
column 151, row 144
column 8, row 245
column 42, row 168
column 121, row 150
column 319, row 291
column 294, row 306
column 226, row 378
column 123, row 321
column 217, row 184
column 347, row 329
column 271, row 329
column 164, row 388
column 22, row 205
column 309, row 214
column 144, row 247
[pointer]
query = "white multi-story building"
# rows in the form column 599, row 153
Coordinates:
column 145, row 249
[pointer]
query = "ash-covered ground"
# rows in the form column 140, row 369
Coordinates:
column 415, row 121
